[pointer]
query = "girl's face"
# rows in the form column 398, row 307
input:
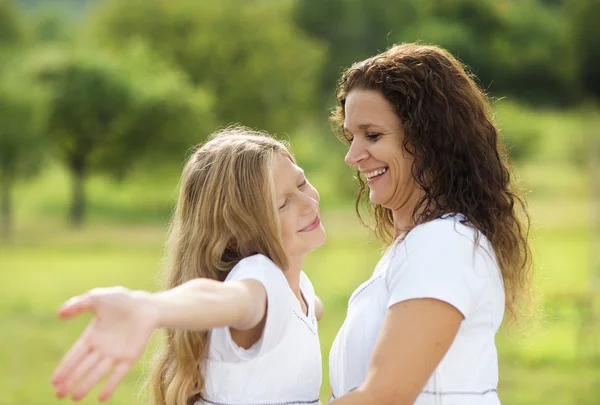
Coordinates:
column 298, row 208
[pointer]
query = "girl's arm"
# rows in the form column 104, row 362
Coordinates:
column 203, row 304
column 125, row 320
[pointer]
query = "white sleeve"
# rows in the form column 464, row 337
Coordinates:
column 262, row 269
column 436, row 261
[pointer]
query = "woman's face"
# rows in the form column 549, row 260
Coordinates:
column 298, row 208
column 376, row 136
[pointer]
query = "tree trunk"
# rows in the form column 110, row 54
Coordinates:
column 5, row 208
column 594, row 278
column 78, row 203
column 589, row 330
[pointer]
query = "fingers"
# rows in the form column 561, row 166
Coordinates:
column 115, row 378
column 88, row 363
column 75, row 306
column 95, row 375
column 72, row 358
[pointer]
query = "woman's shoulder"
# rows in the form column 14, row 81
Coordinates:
column 450, row 230
column 450, row 235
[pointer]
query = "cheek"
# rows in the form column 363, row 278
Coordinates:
column 286, row 226
column 406, row 178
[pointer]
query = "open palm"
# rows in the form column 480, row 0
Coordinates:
column 114, row 340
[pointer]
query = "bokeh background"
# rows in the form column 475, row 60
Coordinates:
column 100, row 102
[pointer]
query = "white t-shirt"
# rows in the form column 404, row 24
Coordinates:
column 436, row 260
column 284, row 366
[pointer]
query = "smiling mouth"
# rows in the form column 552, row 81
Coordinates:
column 312, row 226
column 376, row 173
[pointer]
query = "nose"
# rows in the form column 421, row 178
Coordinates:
column 310, row 205
column 356, row 153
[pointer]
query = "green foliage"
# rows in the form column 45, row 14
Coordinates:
column 519, row 130
column 74, row 9
column 353, row 30
column 22, row 144
column 585, row 37
column 516, row 48
column 49, row 25
column 21, row 126
column 105, row 113
column 248, row 54
column 11, row 25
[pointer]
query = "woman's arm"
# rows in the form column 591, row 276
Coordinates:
column 415, row 336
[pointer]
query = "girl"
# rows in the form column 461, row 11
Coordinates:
column 241, row 316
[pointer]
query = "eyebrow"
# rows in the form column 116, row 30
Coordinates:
column 361, row 126
column 299, row 172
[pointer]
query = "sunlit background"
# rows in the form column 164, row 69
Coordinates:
column 100, row 102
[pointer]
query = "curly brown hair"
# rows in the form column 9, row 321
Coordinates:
column 458, row 161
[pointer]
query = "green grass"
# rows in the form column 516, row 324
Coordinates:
column 47, row 264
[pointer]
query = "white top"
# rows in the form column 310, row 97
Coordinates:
column 436, row 260
column 284, row 366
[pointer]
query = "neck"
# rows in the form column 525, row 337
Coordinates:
column 403, row 215
column 292, row 274
column 402, row 222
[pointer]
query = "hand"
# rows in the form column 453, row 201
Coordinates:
column 114, row 340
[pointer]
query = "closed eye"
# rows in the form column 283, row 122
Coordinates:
column 282, row 206
column 304, row 183
column 373, row 136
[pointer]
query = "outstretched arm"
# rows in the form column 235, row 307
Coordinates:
column 125, row 320
column 203, row 304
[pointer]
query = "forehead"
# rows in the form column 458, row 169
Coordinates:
column 285, row 173
column 368, row 107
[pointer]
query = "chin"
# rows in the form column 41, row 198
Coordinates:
column 375, row 199
column 320, row 237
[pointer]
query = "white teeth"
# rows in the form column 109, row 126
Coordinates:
column 375, row 173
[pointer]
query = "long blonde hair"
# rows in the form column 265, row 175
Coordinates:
column 226, row 211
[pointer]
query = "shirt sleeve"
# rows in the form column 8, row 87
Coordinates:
column 439, row 261
column 263, row 270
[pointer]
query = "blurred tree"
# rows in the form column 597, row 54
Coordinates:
column 585, row 36
column 50, row 25
column 11, row 25
column 515, row 48
column 22, row 144
column 519, row 129
column 105, row 114
column 535, row 58
column 260, row 68
column 353, row 30
column 70, row 8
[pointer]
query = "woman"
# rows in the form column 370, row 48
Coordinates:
column 240, row 330
column 421, row 330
